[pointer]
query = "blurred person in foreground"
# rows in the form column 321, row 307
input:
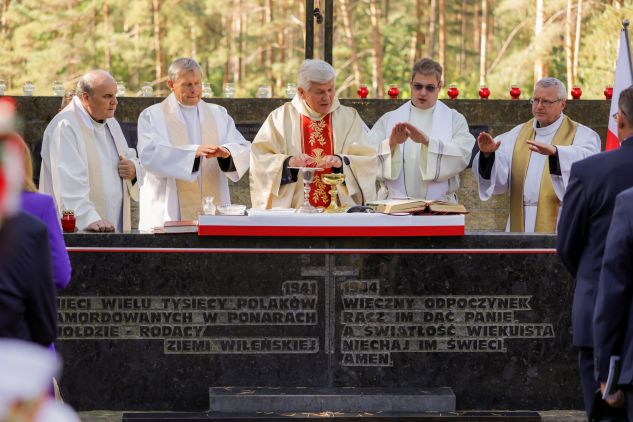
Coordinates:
column 584, row 222
column 313, row 130
column 25, row 373
column 534, row 159
column 613, row 319
column 188, row 148
column 28, row 309
column 423, row 145
column 87, row 165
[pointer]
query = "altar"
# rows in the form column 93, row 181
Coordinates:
column 151, row 322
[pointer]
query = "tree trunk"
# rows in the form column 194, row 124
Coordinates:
column 484, row 38
column 430, row 47
column 281, row 50
column 158, row 65
column 5, row 21
column 442, row 28
column 569, row 54
column 416, row 37
column 345, row 13
column 476, row 28
column 228, row 25
column 377, row 81
column 464, row 24
column 106, row 36
column 577, row 42
column 269, row 45
column 539, row 68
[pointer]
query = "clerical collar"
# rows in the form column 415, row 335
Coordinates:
column 314, row 115
column 549, row 129
column 187, row 107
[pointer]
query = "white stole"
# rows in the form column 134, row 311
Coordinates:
column 442, row 129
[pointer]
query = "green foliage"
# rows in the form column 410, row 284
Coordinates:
column 47, row 40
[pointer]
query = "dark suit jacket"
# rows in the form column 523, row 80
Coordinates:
column 583, row 225
column 613, row 320
column 28, row 308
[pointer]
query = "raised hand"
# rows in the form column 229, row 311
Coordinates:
column 398, row 134
column 541, row 148
column 486, row 144
column 301, row 160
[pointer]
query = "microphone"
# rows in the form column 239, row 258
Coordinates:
column 347, row 162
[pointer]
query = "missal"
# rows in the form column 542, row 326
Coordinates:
column 416, row 206
column 183, row 226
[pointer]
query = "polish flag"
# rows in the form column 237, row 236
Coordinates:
column 623, row 80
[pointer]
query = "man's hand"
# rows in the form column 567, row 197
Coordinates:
column 100, row 226
column 211, row 151
column 415, row 134
column 486, row 144
column 614, row 400
column 127, row 170
column 398, row 135
column 330, row 161
column 301, row 160
column 541, row 148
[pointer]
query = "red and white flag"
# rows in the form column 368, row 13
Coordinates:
column 623, row 80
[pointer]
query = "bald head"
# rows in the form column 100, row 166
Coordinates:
column 97, row 92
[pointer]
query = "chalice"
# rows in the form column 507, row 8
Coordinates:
column 308, row 175
column 334, row 179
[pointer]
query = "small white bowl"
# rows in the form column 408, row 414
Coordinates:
column 232, row 209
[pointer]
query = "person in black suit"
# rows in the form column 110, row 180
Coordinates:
column 582, row 229
column 613, row 319
column 27, row 293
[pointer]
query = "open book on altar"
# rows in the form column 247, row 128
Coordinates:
column 415, row 206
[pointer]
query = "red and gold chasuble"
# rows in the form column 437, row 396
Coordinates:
column 317, row 142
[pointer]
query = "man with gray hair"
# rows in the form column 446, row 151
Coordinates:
column 188, row 149
column 423, row 145
column 313, row 130
column 87, row 165
column 534, row 159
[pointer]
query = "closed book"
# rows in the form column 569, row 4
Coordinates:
column 184, row 226
column 611, row 385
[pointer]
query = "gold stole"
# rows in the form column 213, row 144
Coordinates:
column 316, row 137
column 548, row 202
column 189, row 193
column 95, row 179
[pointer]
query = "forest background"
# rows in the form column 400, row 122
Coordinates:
column 261, row 42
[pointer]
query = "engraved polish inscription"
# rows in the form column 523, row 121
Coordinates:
column 185, row 324
column 374, row 327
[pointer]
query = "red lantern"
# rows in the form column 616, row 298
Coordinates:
column 576, row 93
column 393, row 92
column 608, row 92
column 515, row 92
column 362, row 91
column 68, row 221
column 484, row 92
column 453, row 92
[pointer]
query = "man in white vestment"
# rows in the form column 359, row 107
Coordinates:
column 423, row 145
column 188, row 149
column 313, row 130
column 534, row 159
column 87, row 165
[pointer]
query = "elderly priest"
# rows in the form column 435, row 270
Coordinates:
column 534, row 159
column 313, row 130
column 87, row 165
column 188, row 149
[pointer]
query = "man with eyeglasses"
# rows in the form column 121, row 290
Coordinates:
column 584, row 223
column 423, row 146
column 533, row 160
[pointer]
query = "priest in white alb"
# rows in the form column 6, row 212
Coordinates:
column 188, row 148
column 313, row 130
column 87, row 165
column 423, row 145
column 534, row 159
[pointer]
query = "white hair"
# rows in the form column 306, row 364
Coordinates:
column 561, row 91
column 182, row 65
column 88, row 81
column 317, row 71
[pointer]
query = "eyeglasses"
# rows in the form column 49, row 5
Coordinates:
column 615, row 115
column 429, row 87
column 546, row 103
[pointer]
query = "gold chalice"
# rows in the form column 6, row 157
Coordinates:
column 333, row 180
